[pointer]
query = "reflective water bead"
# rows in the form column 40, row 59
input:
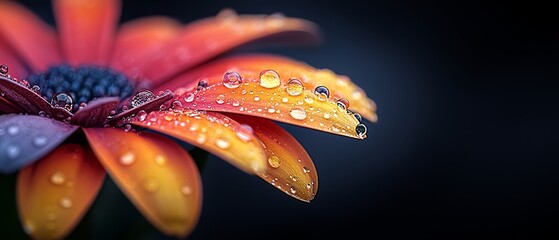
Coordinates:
column 244, row 132
column 3, row 69
column 39, row 140
column 343, row 103
column 142, row 97
column 358, row 117
column 57, row 178
column 127, row 158
column 235, row 103
column 269, row 79
column 220, row 99
column 142, row 115
column 294, row 87
column 298, row 113
column 13, row 130
column 36, row 89
column 151, row 185
column 62, row 100
column 189, row 97
column 361, row 130
column 12, row 151
column 274, row 161
column 65, row 202
column 232, row 80
column 222, row 143
column 256, row 98
column 186, row 190
column 293, row 189
column 322, row 92
column 202, row 84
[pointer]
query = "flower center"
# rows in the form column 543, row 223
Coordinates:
column 82, row 84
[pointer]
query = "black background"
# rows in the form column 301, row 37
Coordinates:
column 465, row 146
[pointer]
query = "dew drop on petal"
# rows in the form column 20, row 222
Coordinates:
column 160, row 160
column 309, row 186
column 293, row 190
column 36, row 88
column 244, row 132
column 62, row 100
column 151, row 185
column 256, row 98
column 13, row 130
column 39, row 140
column 142, row 115
column 322, row 92
column 189, row 97
column 3, row 69
column 202, row 84
column 361, row 130
column 306, row 170
column 358, row 117
column 65, row 202
column 176, row 105
column 294, row 87
column 232, row 80
column 335, row 128
column 343, row 103
column 222, row 143
column 235, row 103
column 309, row 98
column 57, row 178
column 127, row 159
column 298, row 113
column 186, row 190
column 274, row 161
column 141, row 98
column 284, row 100
column 220, row 99
column 12, row 151
column 269, row 79
column 201, row 138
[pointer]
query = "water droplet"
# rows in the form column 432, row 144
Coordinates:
column 222, row 143
column 201, row 139
column 151, row 185
column 274, row 161
column 12, row 151
column 294, row 178
column 256, row 98
column 142, row 115
column 220, row 99
column 202, row 84
column 36, row 89
column 42, row 114
column 309, row 98
column 271, row 110
column 62, row 100
column 232, row 80
column 306, row 170
column 326, row 116
column 3, row 69
column 294, row 87
column 127, row 127
column 361, row 130
column 244, row 132
column 358, row 117
column 343, row 103
column 186, row 190
column 13, row 130
column 284, row 100
column 235, row 103
column 65, row 202
column 309, row 186
column 160, row 160
column 322, row 92
column 189, row 97
column 335, row 128
column 39, row 140
column 176, row 105
column 127, row 158
column 269, row 79
column 293, row 190
column 298, row 113
column 57, row 178
column 142, row 97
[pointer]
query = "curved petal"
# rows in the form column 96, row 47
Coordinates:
column 96, row 112
column 156, row 174
column 213, row 132
column 339, row 86
column 54, row 193
column 87, row 29
column 139, row 38
column 23, row 30
column 207, row 38
column 10, row 58
column 20, row 95
column 26, row 138
column 290, row 168
column 273, row 100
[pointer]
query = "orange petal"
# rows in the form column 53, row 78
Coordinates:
column 208, row 38
column 87, row 29
column 54, row 193
column 339, row 86
column 23, row 30
column 273, row 98
column 156, row 174
column 213, row 132
column 290, row 168
column 140, row 38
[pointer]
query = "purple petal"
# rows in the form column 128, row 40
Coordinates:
column 26, row 138
column 96, row 112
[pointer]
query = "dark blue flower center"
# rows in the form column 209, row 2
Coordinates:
column 83, row 83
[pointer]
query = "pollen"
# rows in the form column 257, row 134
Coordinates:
column 83, row 83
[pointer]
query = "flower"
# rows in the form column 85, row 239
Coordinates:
column 84, row 98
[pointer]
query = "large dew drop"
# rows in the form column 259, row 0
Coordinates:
column 127, row 159
column 361, row 130
column 274, row 161
column 3, row 69
column 322, row 92
column 294, row 87
column 57, row 178
column 269, row 79
column 62, row 100
column 298, row 113
column 142, row 97
column 232, row 80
